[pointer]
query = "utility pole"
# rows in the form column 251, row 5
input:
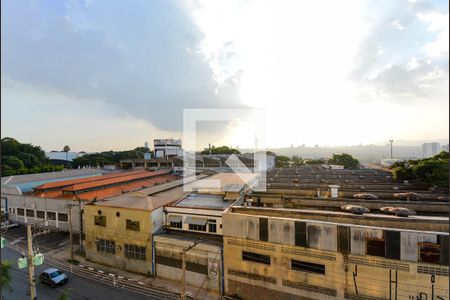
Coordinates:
column 31, row 275
column 183, row 271
column 70, row 230
column 391, row 142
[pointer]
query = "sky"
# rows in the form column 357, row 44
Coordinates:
column 110, row 75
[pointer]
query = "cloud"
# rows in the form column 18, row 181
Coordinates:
column 134, row 57
column 413, row 66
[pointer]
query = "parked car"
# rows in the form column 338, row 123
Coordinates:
column 53, row 277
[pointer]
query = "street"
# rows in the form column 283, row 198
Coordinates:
column 78, row 287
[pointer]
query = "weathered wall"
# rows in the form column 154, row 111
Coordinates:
column 116, row 231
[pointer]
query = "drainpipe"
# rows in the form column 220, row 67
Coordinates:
column 222, row 287
column 153, row 257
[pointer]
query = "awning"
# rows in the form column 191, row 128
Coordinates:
column 174, row 218
column 196, row 221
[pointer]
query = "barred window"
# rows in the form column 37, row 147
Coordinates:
column 30, row 213
column 212, row 227
column 62, row 217
column 20, row 211
column 51, row 215
column 106, row 246
column 132, row 225
column 197, row 227
column 176, row 225
column 40, row 214
column 135, row 252
column 100, row 220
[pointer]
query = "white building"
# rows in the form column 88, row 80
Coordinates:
column 430, row 149
column 445, row 148
column 167, row 148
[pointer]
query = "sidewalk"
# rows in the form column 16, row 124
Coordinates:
column 173, row 286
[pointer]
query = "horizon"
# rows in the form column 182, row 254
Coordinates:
column 379, row 73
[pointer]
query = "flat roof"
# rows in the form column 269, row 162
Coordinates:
column 139, row 200
column 226, row 182
column 204, row 201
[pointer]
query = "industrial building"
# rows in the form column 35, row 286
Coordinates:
column 194, row 222
column 54, row 201
column 281, row 253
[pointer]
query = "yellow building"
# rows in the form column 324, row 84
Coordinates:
column 295, row 254
column 119, row 231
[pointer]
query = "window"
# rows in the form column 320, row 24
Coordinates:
column 62, row 217
column 40, row 214
column 132, row 225
column 135, row 252
column 100, row 220
column 30, row 213
column 51, row 215
column 106, row 246
column 429, row 253
column 255, row 257
column 443, row 241
column 176, row 225
column 375, row 247
column 307, row 267
column 263, row 229
column 212, row 227
column 392, row 244
column 20, row 211
column 300, row 234
column 343, row 233
column 197, row 227
column 11, row 210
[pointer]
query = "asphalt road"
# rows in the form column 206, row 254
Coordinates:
column 79, row 287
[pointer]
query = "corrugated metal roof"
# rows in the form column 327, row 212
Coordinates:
column 108, row 181
column 63, row 183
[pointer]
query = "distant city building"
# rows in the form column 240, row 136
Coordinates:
column 430, row 149
column 167, row 148
column 146, row 145
column 445, row 148
column 388, row 162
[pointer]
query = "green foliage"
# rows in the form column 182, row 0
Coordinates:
column 64, row 295
column 282, row 161
column 108, row 157
column 314, row 162
column 5, row 277
column 433, row 170
column 221, row 150
column 344, row 159
column 20, row 158
column 297, row 161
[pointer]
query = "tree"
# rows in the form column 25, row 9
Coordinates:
column 66, row 149
column 345, row 160
column 220, row 150
column 433, row 170
column 64, row 295
column 5, row 277
column 282, row 161
column 297, row 161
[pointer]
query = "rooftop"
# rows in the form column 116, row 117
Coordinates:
column 204, row 201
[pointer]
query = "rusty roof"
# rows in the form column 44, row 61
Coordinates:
column 116, row 180
column 63, row 183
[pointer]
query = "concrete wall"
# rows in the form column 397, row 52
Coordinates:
column 115, row 230
column 46, row 205
column 207, row 255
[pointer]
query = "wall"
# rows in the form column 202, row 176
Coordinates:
column 203, row 262
column 47, row 205
column 116, row 231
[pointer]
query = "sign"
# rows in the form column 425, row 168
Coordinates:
column 22, row 262
column 3, row 242
column 38, row 259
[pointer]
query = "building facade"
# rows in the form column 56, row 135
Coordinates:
column 430, row 149
column 278, row 254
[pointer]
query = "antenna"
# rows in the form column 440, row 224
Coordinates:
column 391, row 141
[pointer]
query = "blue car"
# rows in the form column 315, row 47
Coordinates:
column 53, row 277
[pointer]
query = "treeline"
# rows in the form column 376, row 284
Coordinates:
column 220, row 150
column 433, row 170
column 18, row 159
column 108, row 157
column 343, row 159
